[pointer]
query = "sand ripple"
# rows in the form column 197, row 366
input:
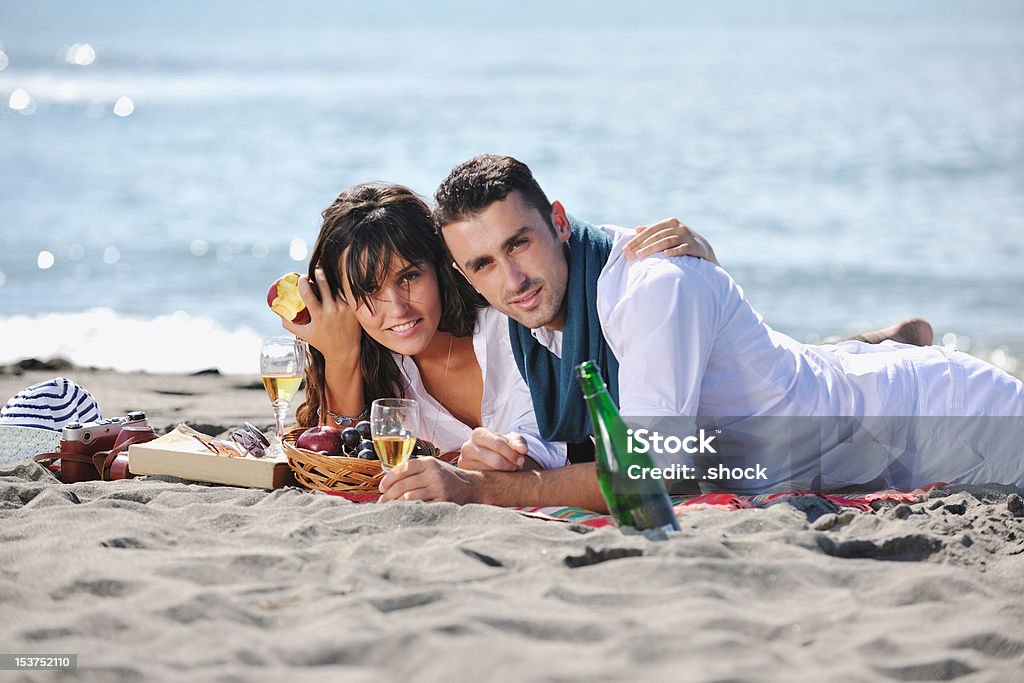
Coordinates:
column 158, row 579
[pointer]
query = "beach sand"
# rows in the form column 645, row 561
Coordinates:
column 159, row 579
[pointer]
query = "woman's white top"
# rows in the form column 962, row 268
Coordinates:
column 506, row 405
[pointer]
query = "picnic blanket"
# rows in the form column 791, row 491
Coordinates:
column 720, row 500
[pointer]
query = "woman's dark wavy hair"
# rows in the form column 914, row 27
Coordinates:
column 366, row 226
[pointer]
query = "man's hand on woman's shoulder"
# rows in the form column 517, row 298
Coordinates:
column 671, row 237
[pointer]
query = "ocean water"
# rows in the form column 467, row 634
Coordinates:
column 853, row 163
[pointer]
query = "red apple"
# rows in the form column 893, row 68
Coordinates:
column 283, row 299
column 322, row 438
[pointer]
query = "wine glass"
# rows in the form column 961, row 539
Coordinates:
column 393, row 423
column 282, row 364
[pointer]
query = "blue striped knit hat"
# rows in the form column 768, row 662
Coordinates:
column 50, row 405
column 32, row 420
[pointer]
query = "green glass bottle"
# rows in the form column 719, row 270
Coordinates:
column 643, row 504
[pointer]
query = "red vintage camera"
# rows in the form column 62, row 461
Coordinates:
column 99, row 450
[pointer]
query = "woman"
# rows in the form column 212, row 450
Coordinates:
column 394, row 318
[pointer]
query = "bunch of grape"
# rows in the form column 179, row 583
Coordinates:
column 356, row 442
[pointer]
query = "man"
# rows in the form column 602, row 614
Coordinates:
column 676, row 337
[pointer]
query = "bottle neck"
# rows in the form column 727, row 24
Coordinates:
column 590, row 381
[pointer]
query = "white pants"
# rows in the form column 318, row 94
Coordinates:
column 967, row 415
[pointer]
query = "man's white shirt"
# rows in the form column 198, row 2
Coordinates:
column 690, row 345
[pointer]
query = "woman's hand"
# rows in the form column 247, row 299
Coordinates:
column 670, row 237
column 430, row 479
column 333, row 329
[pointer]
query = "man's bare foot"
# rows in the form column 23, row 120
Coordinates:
column 915, row 331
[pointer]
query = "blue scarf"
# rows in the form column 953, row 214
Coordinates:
column 562, row 413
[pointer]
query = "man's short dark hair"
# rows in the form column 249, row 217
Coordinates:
column 474, row 185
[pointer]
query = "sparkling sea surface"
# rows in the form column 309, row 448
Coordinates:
column 853, row 163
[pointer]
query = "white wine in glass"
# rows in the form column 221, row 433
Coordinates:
column 393, row 450
column 393, row 424
column 282, row 364
column 282, row 387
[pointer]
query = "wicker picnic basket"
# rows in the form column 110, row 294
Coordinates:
column 339, row 473
column 329, row 472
